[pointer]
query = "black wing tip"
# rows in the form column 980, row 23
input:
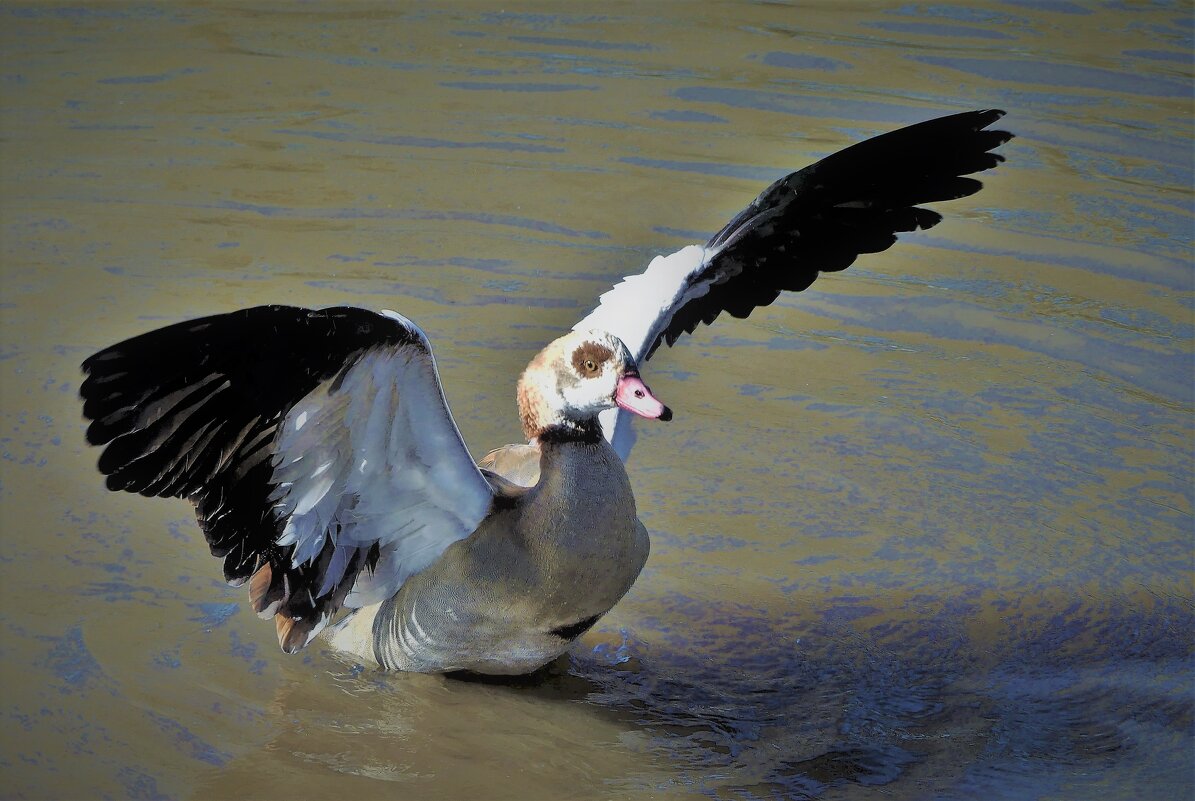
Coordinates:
column 977, row 120
column 952, row 126
column 925, row 219
column 91, row 362
column 96, row 434
column 851, row 202
column 121, row 376
column 995, row 138
column 97, row 369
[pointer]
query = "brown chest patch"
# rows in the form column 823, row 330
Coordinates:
column 589, row 358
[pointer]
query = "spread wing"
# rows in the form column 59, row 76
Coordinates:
column 818, row 219
column 316, row 445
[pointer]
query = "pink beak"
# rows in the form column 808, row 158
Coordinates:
column 634, row 396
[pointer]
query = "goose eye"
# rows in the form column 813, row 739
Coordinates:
column 588, row 359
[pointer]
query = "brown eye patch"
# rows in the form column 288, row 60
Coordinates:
column 589, row 358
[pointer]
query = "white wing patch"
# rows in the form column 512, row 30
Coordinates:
column 374, row 457
column 636, row 310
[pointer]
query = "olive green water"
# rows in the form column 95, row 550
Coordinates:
column 922, row 531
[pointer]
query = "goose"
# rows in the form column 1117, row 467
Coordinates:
column 328, row 474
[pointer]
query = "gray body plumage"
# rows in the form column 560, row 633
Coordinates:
column 513, row 595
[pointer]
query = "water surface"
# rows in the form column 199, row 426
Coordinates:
column 923, row 530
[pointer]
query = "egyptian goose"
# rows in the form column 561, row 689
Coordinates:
column 327, row 472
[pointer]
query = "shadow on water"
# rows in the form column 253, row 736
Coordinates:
column 761, row 705
column 1077, row 700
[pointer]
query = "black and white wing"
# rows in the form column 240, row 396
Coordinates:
column 818, row 219
column 316, row 445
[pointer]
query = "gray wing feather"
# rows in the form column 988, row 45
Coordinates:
column 375, row 457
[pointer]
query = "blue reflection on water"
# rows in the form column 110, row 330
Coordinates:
column 1062, row 75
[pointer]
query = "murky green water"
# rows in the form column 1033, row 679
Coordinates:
column 923, row 531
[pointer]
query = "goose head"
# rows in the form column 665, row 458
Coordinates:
column 575, row 377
